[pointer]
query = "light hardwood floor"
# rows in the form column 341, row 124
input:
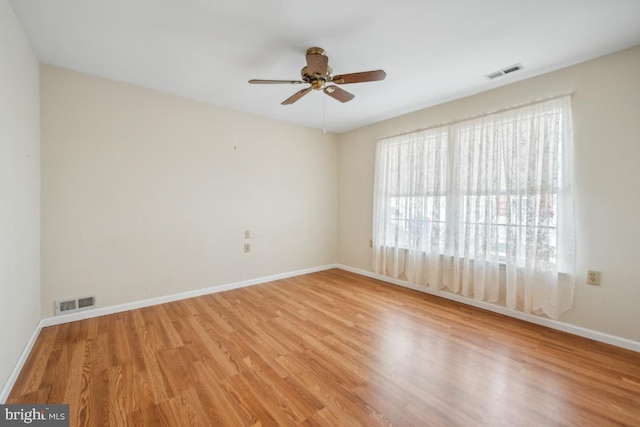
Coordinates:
column 327, row 349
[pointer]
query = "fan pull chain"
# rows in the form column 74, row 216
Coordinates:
column 324, row 114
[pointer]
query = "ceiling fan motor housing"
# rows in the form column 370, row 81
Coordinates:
column 316, row 81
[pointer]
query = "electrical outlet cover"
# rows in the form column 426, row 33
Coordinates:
column 593, row 277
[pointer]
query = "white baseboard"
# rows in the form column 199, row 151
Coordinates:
column 13, row 376
column 532, row 318
column 102, row 311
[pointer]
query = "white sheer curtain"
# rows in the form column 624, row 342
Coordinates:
column 483, row 207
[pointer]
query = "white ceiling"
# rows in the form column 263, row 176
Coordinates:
column 432, row 50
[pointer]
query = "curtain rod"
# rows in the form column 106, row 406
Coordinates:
column 477, row 116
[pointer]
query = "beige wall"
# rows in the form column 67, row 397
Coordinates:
column 606, row 112
column 19, row 192
column 145, row 194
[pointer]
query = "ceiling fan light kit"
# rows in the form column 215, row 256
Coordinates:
column 317, row 73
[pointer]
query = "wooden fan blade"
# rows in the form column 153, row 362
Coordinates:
column 299, row 94
column 274, row 82
column 317, row 64
column 365, row 76
column 338, row 93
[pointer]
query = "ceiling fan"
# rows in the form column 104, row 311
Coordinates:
column 318, row 74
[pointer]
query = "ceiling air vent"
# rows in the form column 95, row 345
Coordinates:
column 507, row 70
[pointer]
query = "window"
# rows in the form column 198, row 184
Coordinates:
column 454, row 202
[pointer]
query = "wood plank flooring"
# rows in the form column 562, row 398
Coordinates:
column 327, row 349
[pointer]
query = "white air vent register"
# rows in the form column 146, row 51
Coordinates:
column 507, row 70
column 75, row 304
